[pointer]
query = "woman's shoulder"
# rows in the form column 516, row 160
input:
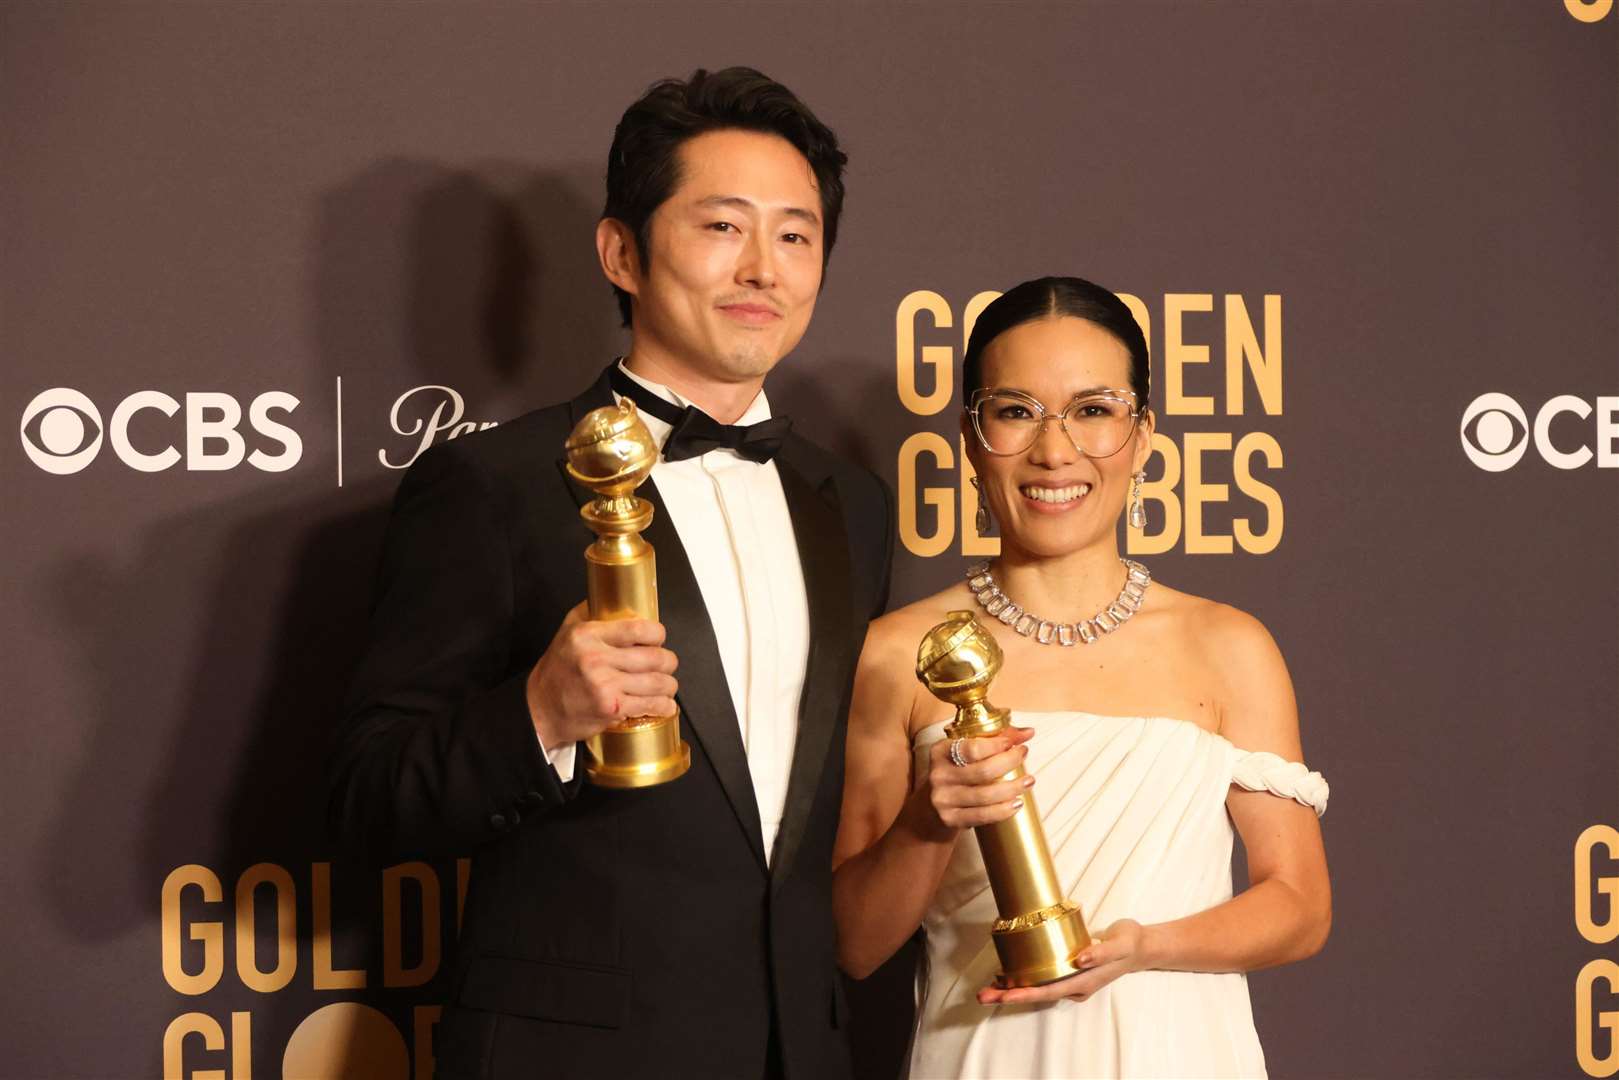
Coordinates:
column 1218, row 625
column 887, row 674
column 904, row 627
column 892, row 641
column 1244, row 668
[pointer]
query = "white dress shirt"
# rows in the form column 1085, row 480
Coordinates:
column 732, row 518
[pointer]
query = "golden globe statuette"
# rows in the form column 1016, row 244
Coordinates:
column 1039, row 932
column 611, row 452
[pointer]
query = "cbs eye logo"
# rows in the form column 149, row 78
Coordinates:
column 1588, row 11
column 1496, row 432
column 1499, row 432
column 62, row 432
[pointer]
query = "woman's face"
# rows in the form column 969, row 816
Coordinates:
column 1051, row 499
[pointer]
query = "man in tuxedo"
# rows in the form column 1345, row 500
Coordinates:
column 683, row 929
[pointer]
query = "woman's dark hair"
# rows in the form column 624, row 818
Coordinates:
column 643, row 166
column 1050, row 297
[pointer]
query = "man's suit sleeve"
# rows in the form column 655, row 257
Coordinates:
column 890, row 531
column 437, row 753
column 872, row 527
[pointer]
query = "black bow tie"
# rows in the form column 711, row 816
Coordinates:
column 695, row 433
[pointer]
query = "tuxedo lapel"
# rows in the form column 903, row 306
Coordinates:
column 598, row 395
column 823, row 555
column 704, row 697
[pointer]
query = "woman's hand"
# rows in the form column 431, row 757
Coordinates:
column 963, row 796
column 1116, row 951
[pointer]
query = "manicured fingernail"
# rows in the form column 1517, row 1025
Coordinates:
column 1028, row 781
column 1017, row 803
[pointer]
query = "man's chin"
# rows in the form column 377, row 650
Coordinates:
column 750, row 361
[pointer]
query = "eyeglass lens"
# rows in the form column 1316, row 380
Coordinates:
column 1098, row 426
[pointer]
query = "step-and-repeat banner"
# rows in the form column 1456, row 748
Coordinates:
column 254, row 258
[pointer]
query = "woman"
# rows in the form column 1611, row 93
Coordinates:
column 1151, row 729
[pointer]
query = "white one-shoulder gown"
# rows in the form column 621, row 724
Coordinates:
column 1134, row 812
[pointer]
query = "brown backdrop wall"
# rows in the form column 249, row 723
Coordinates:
column 363, row 226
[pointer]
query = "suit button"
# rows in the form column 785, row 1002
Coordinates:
column 534, row 798
column 497, row 820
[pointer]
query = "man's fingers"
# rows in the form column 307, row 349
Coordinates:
column 623, row 633
column 647, row 685
column 643, row 658
column 631, row 706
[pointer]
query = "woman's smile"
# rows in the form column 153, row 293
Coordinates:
column 1049, row 499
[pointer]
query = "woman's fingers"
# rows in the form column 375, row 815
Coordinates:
column 1113, row 951
column 973, row 816
column 981, row 792
column 984, row 763
column 1002, row 791
column 1077, row 987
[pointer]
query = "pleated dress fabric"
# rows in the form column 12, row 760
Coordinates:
column 1135, row 815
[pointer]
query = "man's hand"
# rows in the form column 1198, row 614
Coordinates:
column 594, row 673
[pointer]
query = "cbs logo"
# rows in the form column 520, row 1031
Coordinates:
column 62, row 432
column 1588, row 11
column 1496, row 432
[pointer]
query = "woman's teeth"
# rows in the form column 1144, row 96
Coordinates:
column 1056, row 495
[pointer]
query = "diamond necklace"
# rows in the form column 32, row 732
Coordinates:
column 1085, row 631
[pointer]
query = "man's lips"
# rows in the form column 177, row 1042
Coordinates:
column 751, row 314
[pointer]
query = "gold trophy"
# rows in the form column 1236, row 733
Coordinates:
column 611, row 452
column 1039, row 932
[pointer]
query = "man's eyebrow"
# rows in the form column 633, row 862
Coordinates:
column 737, row 202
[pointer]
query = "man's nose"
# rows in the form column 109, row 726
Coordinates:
column 757, row 267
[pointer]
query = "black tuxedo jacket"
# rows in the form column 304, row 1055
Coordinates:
column 606, row 933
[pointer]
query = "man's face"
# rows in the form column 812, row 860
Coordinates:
column 729, row 284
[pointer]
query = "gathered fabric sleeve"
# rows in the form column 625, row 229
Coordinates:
column 1260, row 770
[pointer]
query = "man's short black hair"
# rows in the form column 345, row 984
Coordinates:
column 643, row 166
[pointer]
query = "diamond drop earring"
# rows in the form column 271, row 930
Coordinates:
column 1138, row 513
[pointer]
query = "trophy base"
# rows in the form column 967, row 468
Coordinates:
column 643, row 752
column 1040, row 948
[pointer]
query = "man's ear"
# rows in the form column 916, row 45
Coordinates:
column 615, row 248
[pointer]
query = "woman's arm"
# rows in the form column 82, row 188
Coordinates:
column 897, row 831
column 1285, row 913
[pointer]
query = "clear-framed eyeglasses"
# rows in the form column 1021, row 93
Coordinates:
column 1008, row 422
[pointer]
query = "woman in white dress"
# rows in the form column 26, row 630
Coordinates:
column 1151, row 731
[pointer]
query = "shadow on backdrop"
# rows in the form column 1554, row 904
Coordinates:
column 444, row 275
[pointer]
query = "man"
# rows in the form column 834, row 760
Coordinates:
column 683, row 929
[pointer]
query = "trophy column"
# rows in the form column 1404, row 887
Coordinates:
column 1039, row 932
column 611, row 452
